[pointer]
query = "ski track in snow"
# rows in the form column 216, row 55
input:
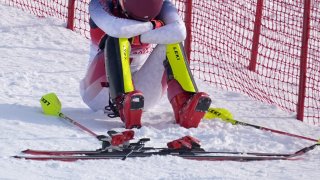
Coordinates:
column 39, row 55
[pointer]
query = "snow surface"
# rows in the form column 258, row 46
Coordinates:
column 39, row 56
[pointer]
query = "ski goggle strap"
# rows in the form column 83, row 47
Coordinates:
column 179, row 67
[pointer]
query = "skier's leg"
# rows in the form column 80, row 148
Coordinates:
column 149, row 78
column 128, row 101
column 188, row 104
column 91, row 89
column 95, row 33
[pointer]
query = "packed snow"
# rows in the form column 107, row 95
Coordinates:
column 39, row 56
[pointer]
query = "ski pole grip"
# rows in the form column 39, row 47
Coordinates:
column 50, row 104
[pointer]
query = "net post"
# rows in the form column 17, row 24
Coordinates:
column 188, row 23
column 256, row 36
column 70, row 20
column 303, row 60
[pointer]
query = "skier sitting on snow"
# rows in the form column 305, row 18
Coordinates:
column 126, row 73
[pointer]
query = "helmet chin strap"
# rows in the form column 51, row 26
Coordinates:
column 121, row 5
column 123, row 9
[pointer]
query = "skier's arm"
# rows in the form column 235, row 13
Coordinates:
column 115, row 26
column 174, row 30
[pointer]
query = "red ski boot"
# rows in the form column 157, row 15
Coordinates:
column 194, row 109
column 130, row 107
column 189, row 108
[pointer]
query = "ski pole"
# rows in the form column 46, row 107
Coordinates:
column 226, row 116
column 78, row 124
column 51, row 105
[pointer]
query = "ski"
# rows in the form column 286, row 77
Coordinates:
column 57, row 153
column 190, row 154
column 176, row 146
column 117, row 146
column 88, row 152
column 78, row 152
column 141, row 155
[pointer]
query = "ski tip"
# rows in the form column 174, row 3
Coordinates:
column 17, row 157
column 25, row 151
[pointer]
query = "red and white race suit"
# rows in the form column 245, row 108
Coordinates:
column 146, row 60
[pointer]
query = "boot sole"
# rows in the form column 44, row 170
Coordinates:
column 136, row 102
column 203, row 104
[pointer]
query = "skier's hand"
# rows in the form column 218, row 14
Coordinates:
column 157, row 23
column 135, row 41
